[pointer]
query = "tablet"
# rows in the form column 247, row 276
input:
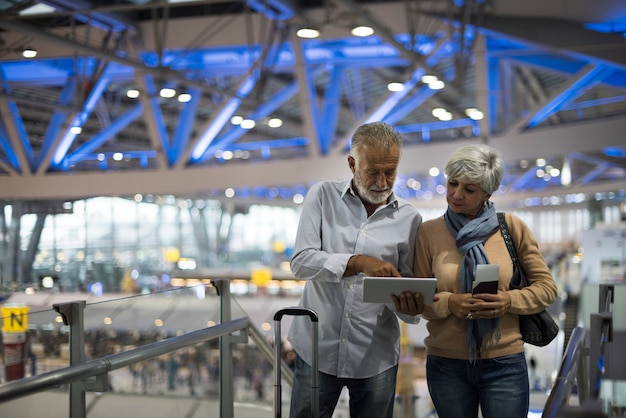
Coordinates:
column 380, row 289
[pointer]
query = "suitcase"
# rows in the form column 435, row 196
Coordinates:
column 278, row 316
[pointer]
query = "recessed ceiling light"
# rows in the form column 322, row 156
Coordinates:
column 308, row 33
column 362, row 31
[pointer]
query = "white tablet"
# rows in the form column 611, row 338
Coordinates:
column 380, row 289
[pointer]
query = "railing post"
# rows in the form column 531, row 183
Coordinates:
column 226, row 354
column 73, row 315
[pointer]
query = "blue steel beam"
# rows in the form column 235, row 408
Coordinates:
column 330, row 110
column 262, row 111
column 5, row 144
column 589, row 77
column 77, row 121
column 104, row 135
column 522, row 181
column 383, row 112
column 56, row 121
column 213, row 62
column 184, row 127
column 593, row 103
column 222, row 116
column 17, row 136
column 493, row 81
column 157, row 120
column 22, row 135
column 273, row 143
column 434, row 126
column 274, row 9
column 408, row 105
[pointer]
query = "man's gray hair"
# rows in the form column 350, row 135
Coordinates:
column 476, row 163
column 378, row 135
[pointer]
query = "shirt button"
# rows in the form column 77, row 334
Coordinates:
column 343, row 340
column 347, row 315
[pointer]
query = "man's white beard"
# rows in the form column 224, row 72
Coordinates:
column 373, row 197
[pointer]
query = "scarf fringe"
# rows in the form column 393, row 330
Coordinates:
column 488, row 341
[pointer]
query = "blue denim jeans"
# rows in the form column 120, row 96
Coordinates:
column 499, row 385
column 370, row 397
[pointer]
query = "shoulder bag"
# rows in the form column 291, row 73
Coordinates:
column 537, row 329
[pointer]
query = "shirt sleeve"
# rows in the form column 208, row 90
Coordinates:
column 309, row 261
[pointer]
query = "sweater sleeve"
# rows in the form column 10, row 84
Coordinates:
column 542, row 291
column 424, row 266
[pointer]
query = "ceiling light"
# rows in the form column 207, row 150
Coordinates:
column 308, row 33
column 395, row 87
column 236, row 120
column 474, row 113
column 445, row 116
column 437, row 85
column 566, row 173
column 275, row 123
column 362, row 31
column 247, row 124
column 184, row 97
column 132, row 93
column 29, row 53
column 427, row 79
column 438, row 111
column 167, row 92
column 76, row 130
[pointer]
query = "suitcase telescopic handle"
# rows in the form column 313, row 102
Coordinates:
column 296, row 311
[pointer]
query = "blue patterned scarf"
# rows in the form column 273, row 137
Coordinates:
column 470, row 236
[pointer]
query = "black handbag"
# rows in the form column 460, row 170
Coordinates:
column 537, row 329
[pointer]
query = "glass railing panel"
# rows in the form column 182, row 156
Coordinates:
column 115, row 323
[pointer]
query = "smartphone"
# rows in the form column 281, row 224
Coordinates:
column 486, row 278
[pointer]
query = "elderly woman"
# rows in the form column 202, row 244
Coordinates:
column 475, row 352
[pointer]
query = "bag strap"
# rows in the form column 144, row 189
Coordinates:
column 504, row 228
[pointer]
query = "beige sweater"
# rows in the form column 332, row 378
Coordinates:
column 437, row 256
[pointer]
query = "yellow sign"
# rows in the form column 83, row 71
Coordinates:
column 14, row 318
column 261, row 276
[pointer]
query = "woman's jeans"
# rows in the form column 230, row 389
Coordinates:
column 499, row 385
column 370, row 397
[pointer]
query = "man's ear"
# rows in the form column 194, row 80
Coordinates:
column 351, row 163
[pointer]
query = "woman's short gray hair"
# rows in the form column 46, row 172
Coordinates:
column 378, row 135
column 476, row 163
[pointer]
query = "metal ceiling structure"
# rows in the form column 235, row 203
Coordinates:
column 549, row 77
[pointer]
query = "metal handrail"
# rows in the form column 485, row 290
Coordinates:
column 267, row 351
column 30, row 385
column 562, row 388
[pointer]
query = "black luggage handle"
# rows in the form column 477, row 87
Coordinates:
column 296, row 311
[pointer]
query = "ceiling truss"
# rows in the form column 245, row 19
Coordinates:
column 68, row 130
